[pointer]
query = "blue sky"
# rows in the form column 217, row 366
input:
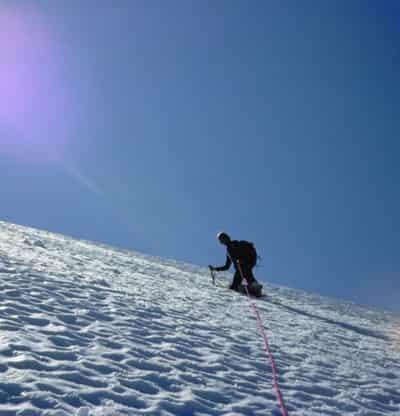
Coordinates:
column 153, row 125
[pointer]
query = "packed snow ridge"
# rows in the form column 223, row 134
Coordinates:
column 90, row 330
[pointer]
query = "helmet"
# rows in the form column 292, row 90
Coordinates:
column 223, row 237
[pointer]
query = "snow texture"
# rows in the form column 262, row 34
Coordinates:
column 88, row 330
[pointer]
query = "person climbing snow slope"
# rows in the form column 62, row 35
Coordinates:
column 243, row 255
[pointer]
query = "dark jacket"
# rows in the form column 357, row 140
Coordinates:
column 232, row 256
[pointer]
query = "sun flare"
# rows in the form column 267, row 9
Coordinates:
column 33, row 94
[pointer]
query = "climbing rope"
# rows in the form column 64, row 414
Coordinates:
column 266, row 343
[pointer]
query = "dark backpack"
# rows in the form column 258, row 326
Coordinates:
column 246, row 252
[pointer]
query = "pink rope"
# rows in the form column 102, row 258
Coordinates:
column 266, row 344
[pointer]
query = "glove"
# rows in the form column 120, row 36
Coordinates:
column 211, row 268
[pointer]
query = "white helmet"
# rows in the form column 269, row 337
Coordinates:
column 222, row 236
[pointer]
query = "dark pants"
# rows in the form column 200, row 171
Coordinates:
column 237, row 278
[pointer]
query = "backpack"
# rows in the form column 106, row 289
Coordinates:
column 246, row 252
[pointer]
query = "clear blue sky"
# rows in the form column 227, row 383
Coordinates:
column 152, row 125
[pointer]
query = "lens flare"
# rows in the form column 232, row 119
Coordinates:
column 35, row 107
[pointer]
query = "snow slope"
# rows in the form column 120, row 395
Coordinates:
column 89, row 330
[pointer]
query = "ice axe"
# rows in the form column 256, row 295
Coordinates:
column 212, row 275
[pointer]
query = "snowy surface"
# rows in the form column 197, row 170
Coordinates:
column 89, row 330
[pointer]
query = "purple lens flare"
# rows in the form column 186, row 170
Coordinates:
column 37, row 116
